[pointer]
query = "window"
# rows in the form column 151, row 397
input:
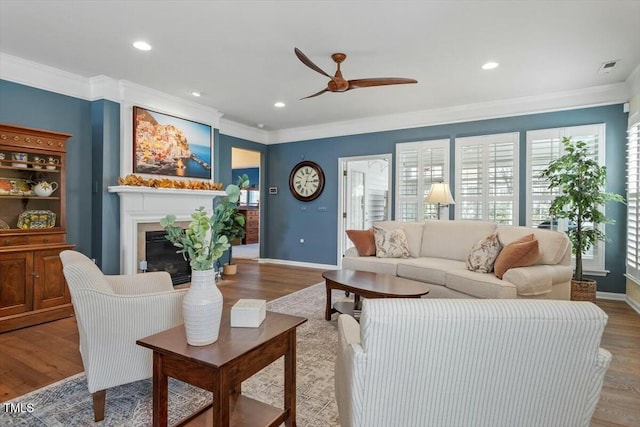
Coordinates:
column 543, row 146
column 633, row 202
column 487, row 178
column 418, row 165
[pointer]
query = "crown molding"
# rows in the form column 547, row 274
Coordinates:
column 41, row 76
column 633, row 81
column 29, row 73
column 238, row 130
column 103, row 87
column 558, row 101
column 135, row 94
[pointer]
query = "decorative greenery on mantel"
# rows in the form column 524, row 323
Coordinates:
column 581, row 182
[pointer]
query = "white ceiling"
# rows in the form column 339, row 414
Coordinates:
column 240, row 53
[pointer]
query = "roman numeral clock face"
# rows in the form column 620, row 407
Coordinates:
column 306, row 181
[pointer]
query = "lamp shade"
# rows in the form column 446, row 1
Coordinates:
column 440, row 193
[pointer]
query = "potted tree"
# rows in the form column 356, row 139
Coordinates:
column 202, row 244
column 581, row 182
column 229, row 222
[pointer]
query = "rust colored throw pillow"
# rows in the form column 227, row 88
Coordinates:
column 364, row 241
column 520, row 253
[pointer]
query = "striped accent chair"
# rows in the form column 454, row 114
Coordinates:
column 113, row 312
column 492, row 363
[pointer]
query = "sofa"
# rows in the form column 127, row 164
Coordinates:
column 438, row 253
column 458, row 362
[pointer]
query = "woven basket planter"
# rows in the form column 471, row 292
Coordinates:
column 583, row 290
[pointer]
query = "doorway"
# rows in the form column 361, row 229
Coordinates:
column 247, row 162
column 364, row 195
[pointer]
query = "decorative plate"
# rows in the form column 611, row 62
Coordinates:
column 15, row 187
column 36, row 219
column 4, row 225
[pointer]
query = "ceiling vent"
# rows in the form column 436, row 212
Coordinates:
column 607, row 67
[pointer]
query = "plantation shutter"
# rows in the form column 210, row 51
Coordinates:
column 418, row 165
column 486, row 188
column 633, row 202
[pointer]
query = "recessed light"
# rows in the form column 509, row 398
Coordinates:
column 260, row 125
column 142, row 45
column 490, row 65
column 196, row 93
column 279, row 104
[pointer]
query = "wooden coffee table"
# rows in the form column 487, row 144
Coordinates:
column 368, row 285
column 221, row 367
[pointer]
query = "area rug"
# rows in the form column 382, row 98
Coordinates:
column 68, row 402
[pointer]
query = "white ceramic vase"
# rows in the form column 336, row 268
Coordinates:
column 202, row 308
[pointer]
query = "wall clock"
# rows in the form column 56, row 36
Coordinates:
column 306, row 181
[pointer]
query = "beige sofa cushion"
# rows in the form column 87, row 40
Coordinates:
column 428, row 270
column 453, row 239
column 479, row 285
column 555, row 247
column 538, row 279
column 372, row 264
column 413, row 231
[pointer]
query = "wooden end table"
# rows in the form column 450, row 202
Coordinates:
column 221, row 367
column 368, row 285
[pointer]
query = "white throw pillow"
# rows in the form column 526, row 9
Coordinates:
column 484, row 253
column 391, row 243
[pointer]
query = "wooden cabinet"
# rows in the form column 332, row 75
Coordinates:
column 32, row 286
column 251, row 225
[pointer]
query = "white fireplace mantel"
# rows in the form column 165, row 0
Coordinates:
column 148, row 205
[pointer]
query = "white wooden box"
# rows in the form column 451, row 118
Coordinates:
column 248, row 313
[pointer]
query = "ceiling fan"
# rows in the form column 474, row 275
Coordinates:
column 339, row 84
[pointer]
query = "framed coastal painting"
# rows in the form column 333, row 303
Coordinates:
column 168, row 145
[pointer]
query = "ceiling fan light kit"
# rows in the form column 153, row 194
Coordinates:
column 339, row 84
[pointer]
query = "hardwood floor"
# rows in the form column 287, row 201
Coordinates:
column 34, row 357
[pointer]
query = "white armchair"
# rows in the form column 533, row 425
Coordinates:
column 113, row 312
column 443, row 362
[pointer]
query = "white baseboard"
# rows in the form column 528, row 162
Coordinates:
column 298, row 263
column 610, row 296
column 633, row 304
column 618, row 297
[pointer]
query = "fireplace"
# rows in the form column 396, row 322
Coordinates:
column 142, row 208
column 161, row 255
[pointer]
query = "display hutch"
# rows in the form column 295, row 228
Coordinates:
column 32, row 227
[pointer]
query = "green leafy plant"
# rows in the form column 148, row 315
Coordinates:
column 206, row 237
column 581, row 182
column 229, row 222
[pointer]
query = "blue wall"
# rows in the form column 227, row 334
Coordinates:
column 26, row 106
column 288, row 220
column 105, row 161
column 252, row 173
column 93, row 164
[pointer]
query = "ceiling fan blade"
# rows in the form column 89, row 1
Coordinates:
column 316, row 94
column 379, row 81
column 306, row 61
